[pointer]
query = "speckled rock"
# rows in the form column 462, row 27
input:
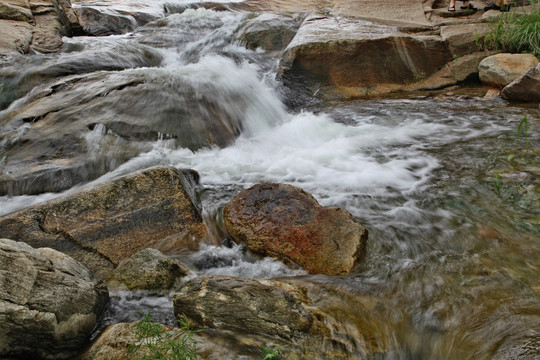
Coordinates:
column 149, row 269
column 502, row 69
column 49, row 303
column 107, row 223
column 286, row 222
column 251, row 306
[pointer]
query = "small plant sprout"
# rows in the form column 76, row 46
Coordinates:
column 271, row 354
column 157, row 341
column 497, row 183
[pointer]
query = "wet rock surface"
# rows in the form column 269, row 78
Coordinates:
column 149, row 269
column 269, row 31
column 69, row 139
column 247, row 305
column 286, row 222
column 334, row 57
column 113, row 22
column 49, row 303
column 108, row 223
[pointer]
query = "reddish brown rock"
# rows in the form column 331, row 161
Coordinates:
column 286, row 222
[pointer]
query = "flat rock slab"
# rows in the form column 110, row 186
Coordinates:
column 337, row 57
column 107, row 223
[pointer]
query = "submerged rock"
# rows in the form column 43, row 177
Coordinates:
column 78, row 128
column 149, row 269
column 286, row 222
column 49, row 303
column 107, row 223
column 502, row 69
column 524, row 88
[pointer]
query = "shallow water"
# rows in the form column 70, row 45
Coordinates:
column 453, row 262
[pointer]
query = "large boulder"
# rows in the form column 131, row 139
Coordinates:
column 524, row 88
column 49, row 303
column 248, row 306
column 77, row 128
column 341, row 57
column 16, row 37
column 501, row 69
column 284, row 221
column 149, row 269
column 107, row 223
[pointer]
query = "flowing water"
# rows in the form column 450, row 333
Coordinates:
column 449, row 197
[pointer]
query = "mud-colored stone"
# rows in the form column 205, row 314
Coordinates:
column 253, row 306
column 344, row 58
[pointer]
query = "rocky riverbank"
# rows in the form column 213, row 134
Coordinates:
column 103, row 226
column 130, row 231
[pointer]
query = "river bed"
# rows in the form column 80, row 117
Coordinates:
column 443, row 182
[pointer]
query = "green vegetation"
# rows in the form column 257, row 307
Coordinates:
column 515, row 33
column 522, row 137
column 271, row 354
column 156, row 341
column 497, row 183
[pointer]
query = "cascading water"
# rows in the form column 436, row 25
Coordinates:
column 453, row 264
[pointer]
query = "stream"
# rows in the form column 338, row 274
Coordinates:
column 449, row 191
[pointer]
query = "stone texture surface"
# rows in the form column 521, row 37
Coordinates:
column 525, row 87
column 46, row 20
column 286, row 222
column 462, row 38
column 14, row 12
column 112, row 22
column 105, row 224
column 149, row 269
column 269, row 31
column 49, row 303
column 341, row 57
column 250, row 306
column 112, row 344
column 502, row 69
column 459, row 70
